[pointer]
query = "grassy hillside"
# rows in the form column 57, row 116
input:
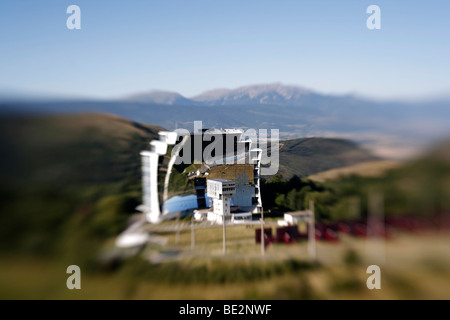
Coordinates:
column 419, row 187
column 364, row 169
column 306, row 156
column 62, row 150
column 68, row 182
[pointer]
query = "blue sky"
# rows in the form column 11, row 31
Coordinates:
column 189, row 46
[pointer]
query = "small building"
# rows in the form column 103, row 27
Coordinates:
column 241, row 217
column 295, row 217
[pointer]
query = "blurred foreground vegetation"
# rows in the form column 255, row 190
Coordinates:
column 68, row 183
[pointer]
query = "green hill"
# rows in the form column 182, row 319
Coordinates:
column 419, row 187
column 71, row 149
column 363, row 169
column 306, row 156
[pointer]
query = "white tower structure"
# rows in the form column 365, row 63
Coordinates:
column 220, row 191
column 150, row 164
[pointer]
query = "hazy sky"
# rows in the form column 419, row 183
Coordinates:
column 189, row 46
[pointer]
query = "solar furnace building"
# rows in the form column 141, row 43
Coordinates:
column 179, row 166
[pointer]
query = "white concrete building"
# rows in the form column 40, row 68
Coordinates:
column 220, row 191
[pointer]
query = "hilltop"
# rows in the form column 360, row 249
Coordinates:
column 71, row 149
column 307, row 156
column 364, row 169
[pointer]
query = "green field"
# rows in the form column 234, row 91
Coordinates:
column 415, row 267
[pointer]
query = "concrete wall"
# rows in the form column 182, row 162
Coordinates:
column 243, row 195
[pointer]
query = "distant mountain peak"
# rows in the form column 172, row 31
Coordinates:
column 269, row 94
column 161, row 97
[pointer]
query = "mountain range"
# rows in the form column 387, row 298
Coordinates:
column 390, row 128
column 264, row 94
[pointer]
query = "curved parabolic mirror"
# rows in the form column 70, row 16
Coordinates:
column 179, row 196
column 185, row 171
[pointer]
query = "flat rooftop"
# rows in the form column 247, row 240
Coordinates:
column 221, row 180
